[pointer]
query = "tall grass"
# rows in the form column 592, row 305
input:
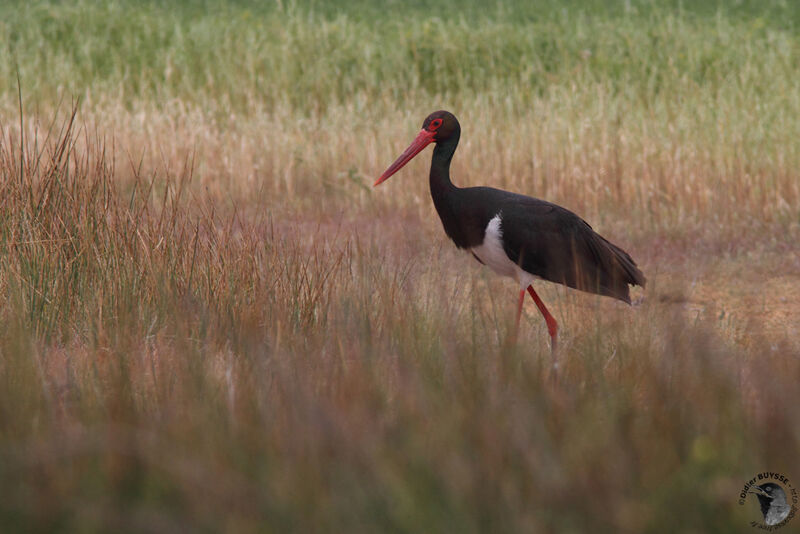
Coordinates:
column 169, row 367
column 252, row 56
column 212, row 323
column 685, row 115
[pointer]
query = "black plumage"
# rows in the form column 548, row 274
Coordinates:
column 544, row 239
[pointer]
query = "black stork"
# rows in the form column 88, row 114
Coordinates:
column 518, row 236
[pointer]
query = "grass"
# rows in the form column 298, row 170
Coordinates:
column 213, row 323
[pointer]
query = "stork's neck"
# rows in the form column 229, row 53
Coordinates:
column 440, row 169
column 446, row 196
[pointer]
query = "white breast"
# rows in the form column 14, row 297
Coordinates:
column 492, row 254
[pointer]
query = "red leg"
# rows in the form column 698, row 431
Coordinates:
column 552, row 325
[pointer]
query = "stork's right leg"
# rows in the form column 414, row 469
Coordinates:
column 552, row 325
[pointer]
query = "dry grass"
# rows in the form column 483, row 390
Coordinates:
column 213, row 323
column 174, row 362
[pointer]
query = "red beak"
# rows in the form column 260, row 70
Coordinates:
column 423, row 139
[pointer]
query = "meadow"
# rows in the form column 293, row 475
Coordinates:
column 213, row 323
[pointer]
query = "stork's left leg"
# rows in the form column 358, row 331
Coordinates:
column 552, row 325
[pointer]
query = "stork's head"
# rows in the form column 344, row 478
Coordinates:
column 438, row 126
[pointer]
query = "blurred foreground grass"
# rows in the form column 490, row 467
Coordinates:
column 214, row 324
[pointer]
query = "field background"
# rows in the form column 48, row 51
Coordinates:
column 213, row 323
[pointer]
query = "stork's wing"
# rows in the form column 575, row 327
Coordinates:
column 557, row 245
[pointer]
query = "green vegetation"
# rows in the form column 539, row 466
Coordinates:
column 213, row 323
column 310, row 59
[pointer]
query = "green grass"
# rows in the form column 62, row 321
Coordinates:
column 308, row 59
column 705, row 98
column 212, row 323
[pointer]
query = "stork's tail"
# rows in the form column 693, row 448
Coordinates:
column 622, row 272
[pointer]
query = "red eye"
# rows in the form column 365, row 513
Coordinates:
column 434, row 125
